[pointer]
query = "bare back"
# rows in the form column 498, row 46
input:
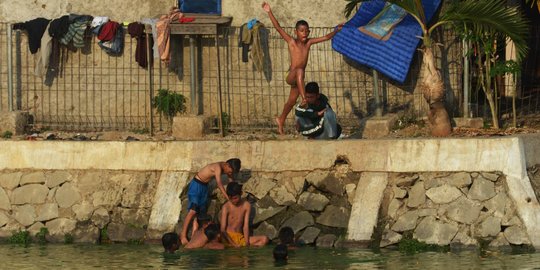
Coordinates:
column 235, row 216
column 198, row 240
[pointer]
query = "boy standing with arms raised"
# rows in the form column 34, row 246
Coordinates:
column 198, row 190
column 299, row 53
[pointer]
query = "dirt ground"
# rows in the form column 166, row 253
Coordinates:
column 416, row 129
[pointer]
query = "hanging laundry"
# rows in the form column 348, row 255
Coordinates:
column 35, row 29
column 164, row 31
column 45, row 53
column 108, row 31
column 59, row 27
column 115, row 46
column 251, row 37
column 77, row 28
column 186, row 20
column 98, row 21
column 152, row 22
column 136, row 30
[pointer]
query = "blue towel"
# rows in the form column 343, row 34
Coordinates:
column 382, row 45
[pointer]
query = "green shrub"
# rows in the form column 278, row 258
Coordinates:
column 68, row 238
column 169, row 103
column 7, row 134
column 410, row 246
column 20, row 238
column 41, row 235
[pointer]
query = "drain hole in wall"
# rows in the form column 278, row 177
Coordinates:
column 341, row 160
column 528, row 199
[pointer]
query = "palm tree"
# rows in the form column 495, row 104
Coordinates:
column 492, row 15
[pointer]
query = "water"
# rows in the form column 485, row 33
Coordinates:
column 151, row 257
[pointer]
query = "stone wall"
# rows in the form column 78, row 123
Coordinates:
column 462, row 209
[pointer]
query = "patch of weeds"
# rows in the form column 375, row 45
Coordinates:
column 68, row 238
column 409, row 245
column 407, row 119
column 135, row 242
column 104, row 236
column 141, row 131
column 41, row 235
column 7, row 134
column 20, row 238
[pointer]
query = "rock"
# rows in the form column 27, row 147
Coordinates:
column 139, row 193
column 313, row 201
column 57, row 178
column 259, row 187
column 123, row 233
column 100, row 217
column 433, row 182
column 3, row 219
column 404, row 180
column 516, row 235
column 482, row 190
column 51, row 194
column 281, row 196
column 436, row 232
column 295, row 185
column 406, row 222
column 24, row 214
column 390, row 237
column 83, row 211
column 326, row 241
column 500, row 241
column 33, row 193
column 10, row 181
column 309, row 235
column 266, row 229
column 493, row 177
column 462, row 238
column 491, row 226
column 326, row 182
column 513, row 221
column 107, row 198
column 89, row 182
column 334, row 216
column 399, row 193
column 58, row 228
column 443, row 194
column 66, row 213
column 463, row 210
column 427, row 212
column 264, row 214
column 67, row 195
column 35, row 228
column 350, row 189
column 4, row 200
column 417, row 195
column 266, row 202
column 86, row 233
column 33, row 178
column 47, row 211
column 459, row 180
column 136, row 217
column 299, row 221
column 394, row 205
column 497, row 204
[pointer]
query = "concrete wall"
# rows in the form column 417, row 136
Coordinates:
column 319, row 13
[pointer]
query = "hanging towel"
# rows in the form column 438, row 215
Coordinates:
column 136, row 30
column 35, row 29
column 45, row 53
column 108, row 31
column 164, row 32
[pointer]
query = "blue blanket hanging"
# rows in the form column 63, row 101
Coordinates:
column 383, row 41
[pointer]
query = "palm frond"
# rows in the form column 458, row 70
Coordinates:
column 484, row 16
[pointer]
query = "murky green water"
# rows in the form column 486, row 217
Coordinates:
column 151, row 256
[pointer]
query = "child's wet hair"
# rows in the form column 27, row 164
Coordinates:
column 280, row 252
column 300, row 23
column 234, row 189
column 211, row 231
column 169, row 240
column 286, row 235
column 312, row 88
column 235, row 164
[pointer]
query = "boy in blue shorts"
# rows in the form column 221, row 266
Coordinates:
column 198, row 190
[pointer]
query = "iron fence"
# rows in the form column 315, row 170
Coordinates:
column 96, row 91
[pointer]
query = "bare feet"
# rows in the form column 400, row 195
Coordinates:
column 184, row 241
column 280, row 123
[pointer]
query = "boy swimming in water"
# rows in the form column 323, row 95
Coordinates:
column 198, row 190
column 235, row 220
column 299, row 53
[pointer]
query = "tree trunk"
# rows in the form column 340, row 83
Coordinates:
column 433, row 90
column 493, row 109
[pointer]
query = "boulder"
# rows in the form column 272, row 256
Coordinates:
column 491, row 226
column 47, row 211
column 443, row 194
column 432, row 231
column 326, row 181
column 3, row 219
column 313, row 201
column 326, row 241
column 493, row 177
column 100, row 217
column 51, row 194
column 334, row 216
column 406, row 222
column 299, row 221
column 67, row 195
column 399, row 193
column 4, row 200
column 263, row 214
column 417, row 195
column 266, row 202
column 139, row 194
column 57, row 178
column 83, row 211
column 266, row 229
column 10, row 181
column 497, row 204
column 24, row 214
column 33, row 178
column 281, row 196
column 32, row 193
column 259, row 187
column 499, row 241
column 107, row 198
column 459, row 180
column 516, row 235
column 58, row 228
column 309, row 235
column 406, row 180
column 393, row 208
column 427, row 212
column 482, row 190
column 295, row 185
column 432, row 182
column 86, row 232
column 123, row 233
column 35, row 228
column 136, row 217
column 390, row 237
column 463, row 210
column 463, row 238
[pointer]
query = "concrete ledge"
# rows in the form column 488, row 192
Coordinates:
column 469, row 122
column 191, row 127
column 378, row 127
column 14, row 121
